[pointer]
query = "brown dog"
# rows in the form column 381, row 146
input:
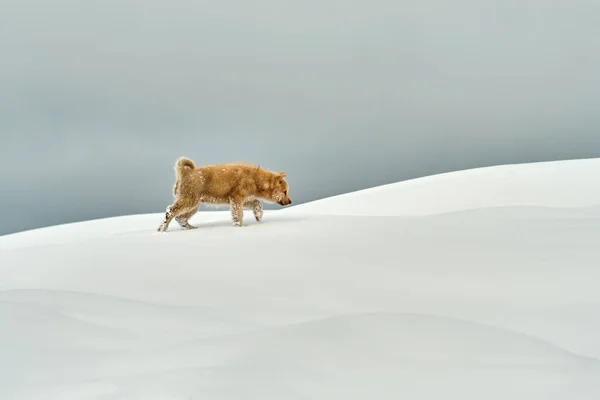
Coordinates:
column 238, row 185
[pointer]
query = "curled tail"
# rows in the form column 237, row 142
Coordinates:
column 181, row 167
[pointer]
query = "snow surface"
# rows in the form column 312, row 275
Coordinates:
column 571, row 183
column 479, row 284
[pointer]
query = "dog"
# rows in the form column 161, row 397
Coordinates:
column 241, row 186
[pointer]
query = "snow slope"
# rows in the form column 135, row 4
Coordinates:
column 479, row 284
column 571, row 183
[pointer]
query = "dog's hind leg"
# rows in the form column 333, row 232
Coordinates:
column 183, row 219
column 256, row 206
column 174, row 210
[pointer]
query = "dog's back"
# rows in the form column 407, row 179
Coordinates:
column 218, row 182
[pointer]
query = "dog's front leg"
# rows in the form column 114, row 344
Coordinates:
column 257, row 208
column 237, row 212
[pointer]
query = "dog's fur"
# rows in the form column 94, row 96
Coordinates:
column 238, row 185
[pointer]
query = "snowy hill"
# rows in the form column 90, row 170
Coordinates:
column 479, row 284
column 571, row 183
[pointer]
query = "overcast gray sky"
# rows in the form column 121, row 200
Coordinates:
column 99, row 98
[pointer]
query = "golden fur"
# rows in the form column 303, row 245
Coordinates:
column 238, row 185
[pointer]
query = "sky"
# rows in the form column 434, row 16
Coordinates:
column 99, row 98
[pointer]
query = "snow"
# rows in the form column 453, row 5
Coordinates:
column 570, row 183
column 479, row 284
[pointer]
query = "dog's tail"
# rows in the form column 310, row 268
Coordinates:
column 182, row 166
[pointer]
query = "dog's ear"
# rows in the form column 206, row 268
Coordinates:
column 281, row 174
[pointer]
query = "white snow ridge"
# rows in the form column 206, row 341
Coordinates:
column 480, row 284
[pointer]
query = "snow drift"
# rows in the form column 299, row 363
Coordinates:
column 470, row 285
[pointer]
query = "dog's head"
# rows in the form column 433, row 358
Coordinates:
column 280, row 190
